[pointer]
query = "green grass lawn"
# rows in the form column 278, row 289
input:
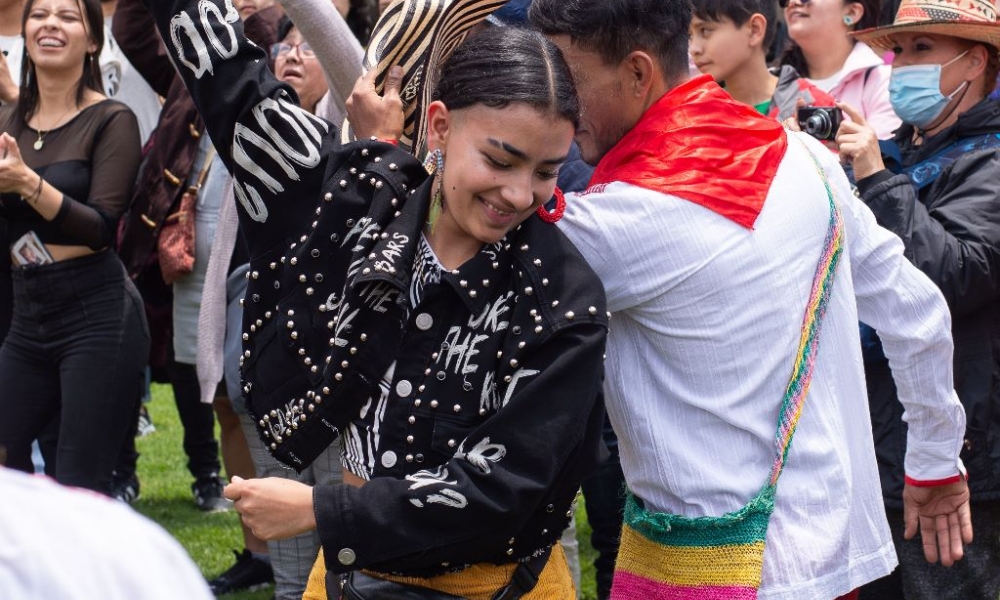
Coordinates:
column 211, row 538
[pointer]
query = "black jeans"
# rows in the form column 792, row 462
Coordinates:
column 198, row 420
column 76, row 348
column 604, row 494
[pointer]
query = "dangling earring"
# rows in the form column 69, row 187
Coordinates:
column 435, row 166
column 848, row 20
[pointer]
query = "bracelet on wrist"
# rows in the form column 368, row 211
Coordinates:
column 33, row 198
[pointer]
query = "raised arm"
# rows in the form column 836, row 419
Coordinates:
column 337, row 49
column 276, row 151
column 145, row 51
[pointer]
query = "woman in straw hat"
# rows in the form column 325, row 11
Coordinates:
column 440, row 325
column 936, row 186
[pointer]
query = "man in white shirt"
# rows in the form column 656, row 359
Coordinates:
column 706, row 223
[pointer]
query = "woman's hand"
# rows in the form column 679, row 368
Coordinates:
column 858, row 143
column 273, row 508
column 15, row 176
column 377, row 116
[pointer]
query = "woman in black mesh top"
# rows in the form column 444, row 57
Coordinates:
column 78, row 340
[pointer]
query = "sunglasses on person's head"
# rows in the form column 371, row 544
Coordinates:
column 283, row 49
column 785, row 3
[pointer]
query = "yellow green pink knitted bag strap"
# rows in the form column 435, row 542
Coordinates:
column 666, row 556
column 805, row 359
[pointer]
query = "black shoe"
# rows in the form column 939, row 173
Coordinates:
column 249, row 573
column 125, row 488
column 208, row 494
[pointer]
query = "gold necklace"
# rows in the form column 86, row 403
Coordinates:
column 40, row 142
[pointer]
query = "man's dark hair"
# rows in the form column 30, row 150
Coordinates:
column 614, row 28
column 361, row 19
column 739, row 12
column 509, row 65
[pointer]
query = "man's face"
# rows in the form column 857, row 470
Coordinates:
column 603, row 114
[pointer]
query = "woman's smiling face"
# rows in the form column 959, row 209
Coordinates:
column 55, row 34
column 500, row 165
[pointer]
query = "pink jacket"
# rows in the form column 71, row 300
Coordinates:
column 865, row 86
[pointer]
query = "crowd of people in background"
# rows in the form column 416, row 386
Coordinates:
column 580, row 267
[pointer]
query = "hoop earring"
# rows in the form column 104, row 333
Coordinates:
column 435, row 166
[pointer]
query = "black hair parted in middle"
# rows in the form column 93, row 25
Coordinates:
column 739, row 12
column 500, row 66
column 615, row 28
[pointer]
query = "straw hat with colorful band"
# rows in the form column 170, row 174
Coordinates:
column 415, row 34
column 967, row 19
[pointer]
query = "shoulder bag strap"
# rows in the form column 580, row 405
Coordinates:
column 525, row 577
column 805, row 359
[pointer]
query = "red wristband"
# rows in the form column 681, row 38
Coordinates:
column 962, row 476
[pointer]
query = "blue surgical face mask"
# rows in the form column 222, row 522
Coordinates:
column 915, row 92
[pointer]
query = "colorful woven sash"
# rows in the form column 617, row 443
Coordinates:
column 665, row 556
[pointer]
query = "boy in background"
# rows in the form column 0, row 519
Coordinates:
column 730, row 40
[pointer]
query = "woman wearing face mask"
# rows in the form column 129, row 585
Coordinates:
column 935, row 185
column 822, row 50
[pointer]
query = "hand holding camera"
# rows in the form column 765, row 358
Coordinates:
column 821, row 122
column 858, row 143
column 844, row 130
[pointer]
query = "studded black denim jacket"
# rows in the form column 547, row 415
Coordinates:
column 493, row 416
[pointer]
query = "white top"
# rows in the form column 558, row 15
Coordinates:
column 705, row 325
column 13, row 48
column 863, row 82
column 58, row 542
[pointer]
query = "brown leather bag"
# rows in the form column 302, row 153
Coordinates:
column 175, row 245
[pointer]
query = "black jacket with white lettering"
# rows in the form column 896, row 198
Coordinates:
column 493, row 414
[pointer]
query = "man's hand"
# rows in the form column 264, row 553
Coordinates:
column 377, row 116
column 943, row 516
column 273, row 508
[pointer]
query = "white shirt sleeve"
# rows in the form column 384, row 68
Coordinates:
column 912, row 320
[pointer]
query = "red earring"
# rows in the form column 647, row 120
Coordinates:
column 555, row 215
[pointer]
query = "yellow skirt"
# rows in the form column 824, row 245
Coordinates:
column 477, row 582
